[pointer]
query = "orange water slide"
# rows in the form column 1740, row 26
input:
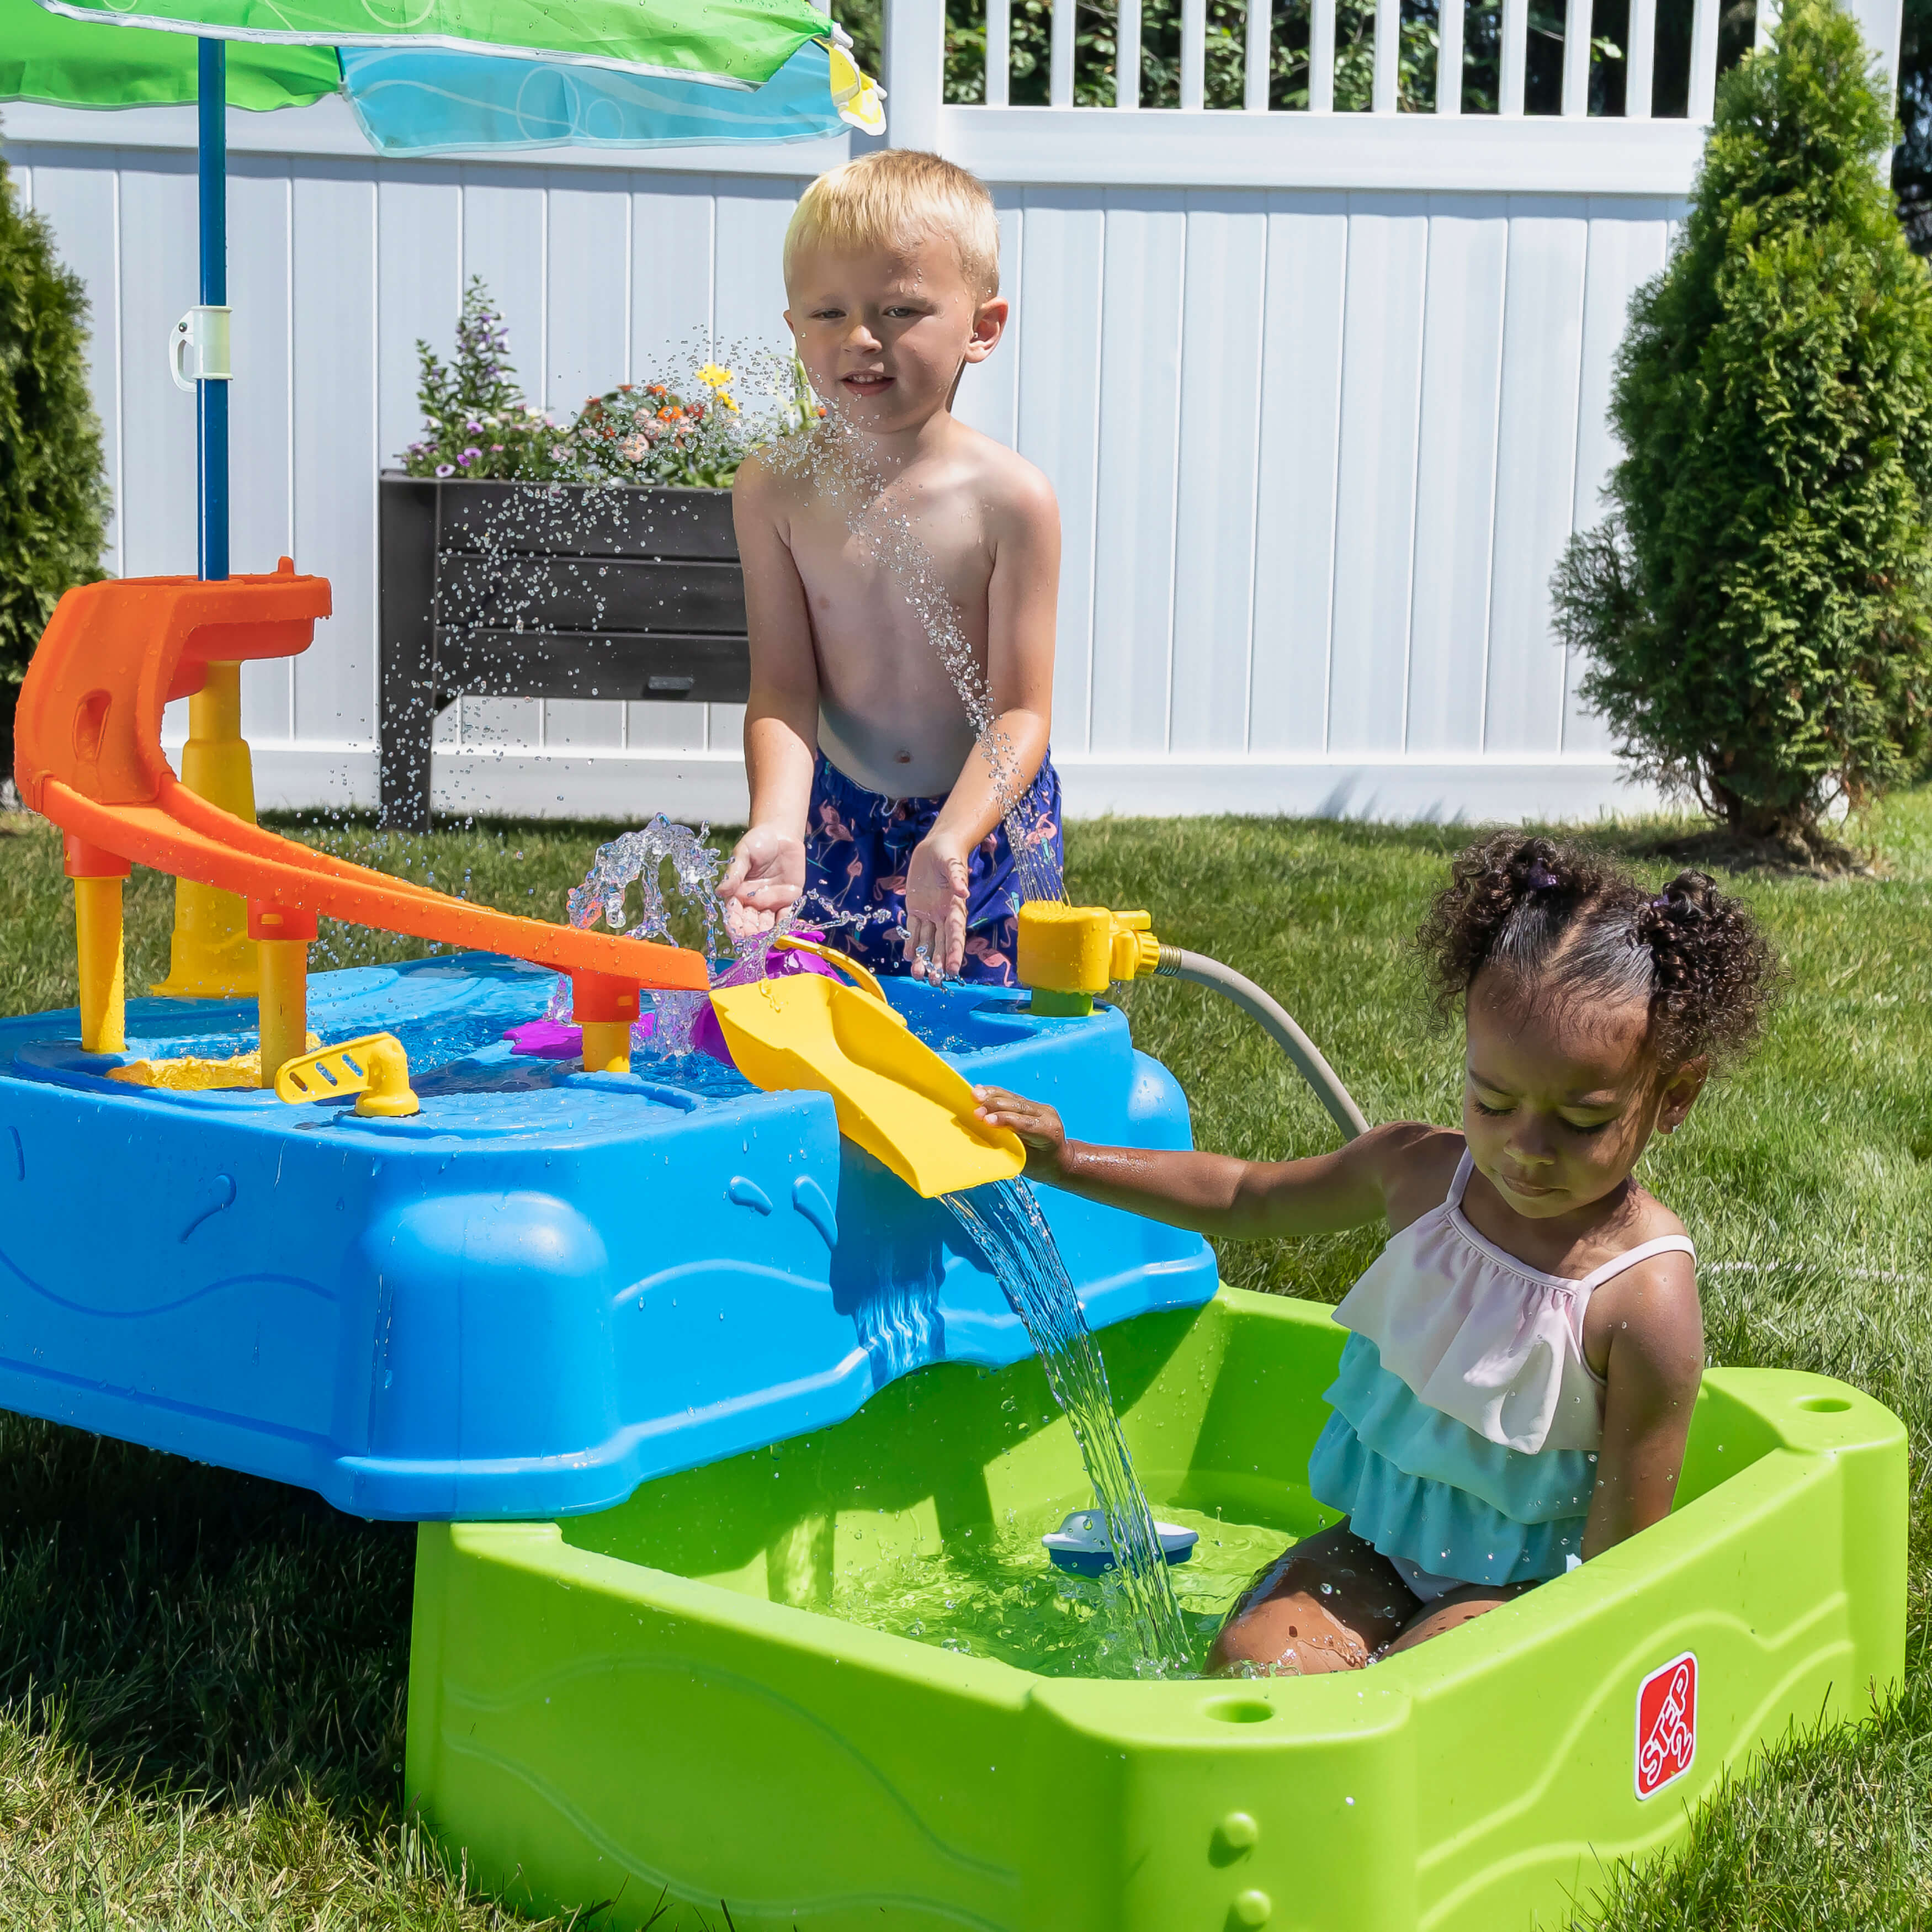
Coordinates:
column 87, row 756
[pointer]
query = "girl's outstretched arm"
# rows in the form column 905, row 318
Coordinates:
column 1655, row 1362
column 1213, row 1193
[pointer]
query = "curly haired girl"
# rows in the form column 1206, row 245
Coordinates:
column 1516, row 1391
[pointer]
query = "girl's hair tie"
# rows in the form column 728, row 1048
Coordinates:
column 1541, row 879
column 1661, row 902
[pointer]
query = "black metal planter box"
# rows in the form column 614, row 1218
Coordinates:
column 547, row 590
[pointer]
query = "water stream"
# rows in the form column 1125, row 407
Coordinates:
column 1005, row 1223
column 1003, row 1219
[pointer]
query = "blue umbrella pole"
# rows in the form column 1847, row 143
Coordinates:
column 212, row 398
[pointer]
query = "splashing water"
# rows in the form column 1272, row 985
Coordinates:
column 637, row 860
column 590, row 502
column 1003, row 1220
column 832, row 455
column 1005, row 1223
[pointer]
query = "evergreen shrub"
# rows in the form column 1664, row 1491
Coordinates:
column 1757, row 608
column 54, row 498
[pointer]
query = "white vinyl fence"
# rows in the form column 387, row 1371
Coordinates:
column 1322, row 395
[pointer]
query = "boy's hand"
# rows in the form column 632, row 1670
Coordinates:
column 765, row 877
column 935, row 904
column 1037, row 1125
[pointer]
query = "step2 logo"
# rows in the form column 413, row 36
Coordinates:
column 1666, row 1724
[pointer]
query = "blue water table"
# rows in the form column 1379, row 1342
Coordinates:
column 666, row 1364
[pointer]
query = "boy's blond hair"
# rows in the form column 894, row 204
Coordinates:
column 895, row 195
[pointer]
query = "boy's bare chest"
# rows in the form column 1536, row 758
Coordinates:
column 887, row 567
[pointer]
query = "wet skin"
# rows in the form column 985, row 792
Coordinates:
column 1332, row 1602
column 1561, row 1098
column 841, row 658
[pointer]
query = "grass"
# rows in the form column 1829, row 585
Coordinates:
column 202, row 1676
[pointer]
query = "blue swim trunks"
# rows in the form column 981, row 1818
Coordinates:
column 858, row 844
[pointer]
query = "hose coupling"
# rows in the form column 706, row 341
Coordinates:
column 1068, row 954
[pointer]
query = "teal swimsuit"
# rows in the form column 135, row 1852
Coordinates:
column 1466, row 1419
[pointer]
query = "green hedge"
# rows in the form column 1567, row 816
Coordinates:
column 54, row 500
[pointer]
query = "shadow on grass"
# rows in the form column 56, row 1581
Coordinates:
column 197, row 1629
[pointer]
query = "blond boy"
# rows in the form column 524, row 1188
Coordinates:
column 869, row 795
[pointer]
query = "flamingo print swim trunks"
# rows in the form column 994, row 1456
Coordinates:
column 859, row 843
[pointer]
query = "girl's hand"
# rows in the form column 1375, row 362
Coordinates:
column 765, row 877
column 935, row 904
column 1037, row 1125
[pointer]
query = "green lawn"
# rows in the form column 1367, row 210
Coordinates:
column 202, row 1676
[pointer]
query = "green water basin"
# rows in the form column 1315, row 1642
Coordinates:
column 714, row 1696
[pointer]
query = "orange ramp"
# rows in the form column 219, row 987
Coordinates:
column 87, row 756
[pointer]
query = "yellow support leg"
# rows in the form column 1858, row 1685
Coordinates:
column 284, row 996
column 98, row 939
column 607, row 1046
column 283, row 935
column 212, row 957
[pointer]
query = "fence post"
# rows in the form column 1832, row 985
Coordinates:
column 915, row 76
column 1642, row 53
column 1449, row 58
column 1703, row 59
column 1882, row 22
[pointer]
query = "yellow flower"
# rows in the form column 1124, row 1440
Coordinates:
column 727, row 401
column 713, row 377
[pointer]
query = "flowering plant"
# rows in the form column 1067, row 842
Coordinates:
column 475, row 422
column 650, row 433
column 692, row 435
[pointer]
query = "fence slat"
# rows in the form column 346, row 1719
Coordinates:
column 1703, row 60
column 1321, row 58
column 1059, row 91
column 1258, row 56
column 1640, row 57
column 1449, row 58
column 1127, row 55
column 1388, row 50
column 1576, row 59
column 1193, row 55
column 1515, row 42
column 999, row 53
column 914, row 59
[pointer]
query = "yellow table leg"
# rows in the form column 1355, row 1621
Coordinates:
column 99, row 939
column 284, row 1004
column 212, row 957
column 607, row 1046
column 282, row 934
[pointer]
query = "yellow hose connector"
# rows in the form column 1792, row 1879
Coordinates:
column 1069, row 955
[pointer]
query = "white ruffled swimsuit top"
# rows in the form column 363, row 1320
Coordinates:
column 1467, row 1418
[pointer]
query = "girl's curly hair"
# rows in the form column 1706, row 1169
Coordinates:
column 1556, row 915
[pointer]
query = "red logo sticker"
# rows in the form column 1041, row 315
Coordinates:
column 1666, row 1724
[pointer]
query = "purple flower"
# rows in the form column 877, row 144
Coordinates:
column 445, row 469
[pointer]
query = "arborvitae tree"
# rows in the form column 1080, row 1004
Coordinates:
column 1758, row 607
column 54, row 498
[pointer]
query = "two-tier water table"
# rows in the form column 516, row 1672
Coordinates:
column 670, row 1371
